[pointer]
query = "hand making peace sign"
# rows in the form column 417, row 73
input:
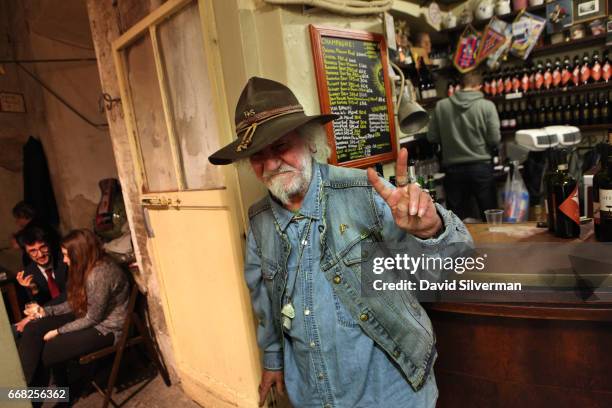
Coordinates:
column 412, row 208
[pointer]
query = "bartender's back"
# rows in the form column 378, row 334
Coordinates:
column 466, row 126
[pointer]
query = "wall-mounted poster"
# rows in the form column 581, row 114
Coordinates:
column 585, row 10
column 526, row 30
column 559, row 15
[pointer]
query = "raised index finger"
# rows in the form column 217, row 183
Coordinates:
column 401, row 165
column 379, row 186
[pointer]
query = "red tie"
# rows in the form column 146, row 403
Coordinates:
column 53, row 289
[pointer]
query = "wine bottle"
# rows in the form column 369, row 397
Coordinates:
column 566, row 72
column 559, row 105
column 595, row 110
column 500, row 83
column 576, row 71
column 550, row 113
column 605, row 200
column 565, row 204
column 508, row 82
column 585, row 70
column 556, row 74
column 547, row 183
column 586, row 111
column 577, row 110
column 525, row 81
column 539, row 77
column 567, row 111
column 516, row 81
column 604, row 152
column 541, row 114
column 604, row 108
column 548, row 76
column 596, row 69
column 606, row 69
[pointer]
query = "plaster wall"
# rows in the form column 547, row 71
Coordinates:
column 78, row 154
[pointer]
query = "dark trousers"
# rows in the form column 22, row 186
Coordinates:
column 33, row 350
column 464, row 181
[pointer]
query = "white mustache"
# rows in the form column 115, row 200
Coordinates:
column 267, row 175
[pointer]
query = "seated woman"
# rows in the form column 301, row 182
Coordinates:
column 92, row 317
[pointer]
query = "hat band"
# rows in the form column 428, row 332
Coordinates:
column 250, row 125
column 267, row 115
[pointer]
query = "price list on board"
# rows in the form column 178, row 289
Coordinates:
column 355, row 84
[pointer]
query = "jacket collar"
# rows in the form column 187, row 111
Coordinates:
column 311, row 206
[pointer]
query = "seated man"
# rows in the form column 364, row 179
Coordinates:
column 25, row 216
column 45, row 278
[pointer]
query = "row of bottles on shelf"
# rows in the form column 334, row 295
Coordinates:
column 541, row 76
column 589, row 109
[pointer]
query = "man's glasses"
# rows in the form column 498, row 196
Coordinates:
column 42, row 250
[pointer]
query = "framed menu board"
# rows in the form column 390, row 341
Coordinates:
column 353, row 82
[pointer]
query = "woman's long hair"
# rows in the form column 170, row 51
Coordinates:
column 85, row 252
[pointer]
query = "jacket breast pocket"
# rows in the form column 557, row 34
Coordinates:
column 269, row 270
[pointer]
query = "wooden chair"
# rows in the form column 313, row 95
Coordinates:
column 128, row 338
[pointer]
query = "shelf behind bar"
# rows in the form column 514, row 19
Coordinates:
column 569, row 45
column 478, row 24
column 598, row 86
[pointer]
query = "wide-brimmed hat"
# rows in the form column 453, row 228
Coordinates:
column 266, row 111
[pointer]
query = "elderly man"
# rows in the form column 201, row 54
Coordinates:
column 327, row 344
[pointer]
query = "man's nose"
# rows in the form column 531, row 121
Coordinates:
column 271, row 163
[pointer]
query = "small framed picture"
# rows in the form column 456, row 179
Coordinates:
column 12, row 102
column 585, row 10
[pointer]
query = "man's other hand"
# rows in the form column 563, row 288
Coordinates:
column 270, row 379
column 24, row 281
column 412, row 208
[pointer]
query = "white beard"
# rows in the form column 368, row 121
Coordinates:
column 297, row 184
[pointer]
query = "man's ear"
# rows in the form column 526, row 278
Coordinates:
column 312, row 147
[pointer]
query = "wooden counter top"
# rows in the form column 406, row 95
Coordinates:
column 523, row 232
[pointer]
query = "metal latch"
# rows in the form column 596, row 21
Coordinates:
column 157, row 201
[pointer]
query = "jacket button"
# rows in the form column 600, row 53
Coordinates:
column 337, row 279
column 364, row 317
column 396, row 353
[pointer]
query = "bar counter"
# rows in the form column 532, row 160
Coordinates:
column 536, row 354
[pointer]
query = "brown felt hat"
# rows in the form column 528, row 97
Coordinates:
column 266, row 111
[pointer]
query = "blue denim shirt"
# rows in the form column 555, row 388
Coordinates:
column 328, row 359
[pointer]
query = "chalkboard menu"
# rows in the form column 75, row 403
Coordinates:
column 352, row 79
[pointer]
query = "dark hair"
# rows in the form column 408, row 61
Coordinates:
column 85, row 252
column 32, row 234
column 24, row 210
column 471, row 79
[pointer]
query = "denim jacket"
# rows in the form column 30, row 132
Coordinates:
column 395, row 321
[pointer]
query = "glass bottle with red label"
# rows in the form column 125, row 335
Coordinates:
column 585, row 70
column 576, row 71
column 525, row 80
column 565, row 203
column 539, row 77
column 606, row 69
column 548, row 76
column 566, row 72
column 596, row 69
column 556, row 74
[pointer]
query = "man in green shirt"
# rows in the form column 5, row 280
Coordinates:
column 467, row 127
